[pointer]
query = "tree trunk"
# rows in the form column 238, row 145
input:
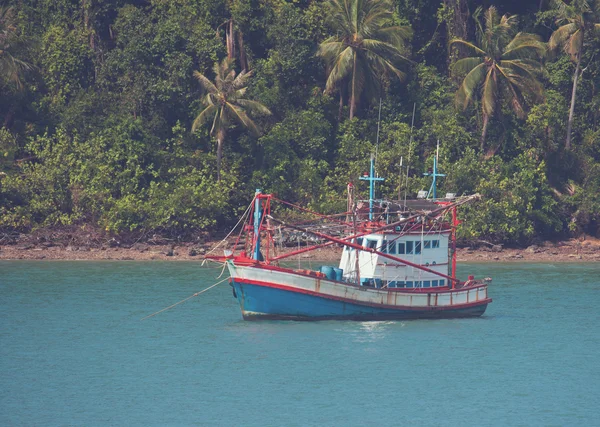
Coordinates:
column 230, row 41
column 243, row 58
column 220, row 138
column 341, row 106
column 456, row 27
column 9, row 118
column 353, row 95
column 486, row 120
column 573, row 97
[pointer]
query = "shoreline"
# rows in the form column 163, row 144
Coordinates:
column 568, row 251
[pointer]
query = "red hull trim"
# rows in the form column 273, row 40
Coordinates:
column 369, row 304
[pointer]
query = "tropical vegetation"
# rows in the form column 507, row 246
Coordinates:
column 505, row 63
column 109, row 111
column 224, row 103
column 367, row 45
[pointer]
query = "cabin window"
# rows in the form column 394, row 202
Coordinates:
column 427, row 283
column 400, row 284
column 359, row 241
column 371, row 244
column 427, row 244
column 417, row 247
column 435, row 244
column 384, row 246
column 401, row 248
column 409, row 247
column 409, row 284
column 392, row 248
column 418, row 283
column 434, row 283
column 442, row 282
column 391, row 284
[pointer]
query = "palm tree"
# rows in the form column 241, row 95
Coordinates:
column 365, row 47
column 224, row 103
column 504, row 63
column 11, row 67
column 575, row 22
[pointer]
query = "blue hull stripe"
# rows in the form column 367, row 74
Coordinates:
column 262, row 302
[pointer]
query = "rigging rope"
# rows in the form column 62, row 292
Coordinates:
column 232, row 230
column 184, row 300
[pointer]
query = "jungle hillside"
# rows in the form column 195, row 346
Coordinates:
column 138, row 118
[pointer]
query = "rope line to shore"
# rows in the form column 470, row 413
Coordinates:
column 232, row 230
column 184, row 300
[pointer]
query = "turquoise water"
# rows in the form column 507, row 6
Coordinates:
column 73, row 351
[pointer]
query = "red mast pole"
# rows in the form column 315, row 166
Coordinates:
column 455, row 223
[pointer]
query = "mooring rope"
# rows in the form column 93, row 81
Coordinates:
column 222, row 270
column 231, row 232
column 184, row 300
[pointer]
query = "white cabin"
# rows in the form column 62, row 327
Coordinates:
column 429, row 250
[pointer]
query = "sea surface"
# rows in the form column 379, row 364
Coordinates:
column 75, row 352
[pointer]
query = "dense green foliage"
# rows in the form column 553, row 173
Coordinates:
column 98, row 100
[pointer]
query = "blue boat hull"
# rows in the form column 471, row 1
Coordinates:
column 262, row 302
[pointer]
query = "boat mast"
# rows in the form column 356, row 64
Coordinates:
column 371, row 178
column 257, row 219
column 455, row 223
column 434, row 174
column 356, row 252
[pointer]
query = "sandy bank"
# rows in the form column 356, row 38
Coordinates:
column 568, row 251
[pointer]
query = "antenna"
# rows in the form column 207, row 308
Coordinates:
column 412, row 124
column 400, row 179
column 378, row 122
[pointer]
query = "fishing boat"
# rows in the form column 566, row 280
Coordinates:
column 397, row 261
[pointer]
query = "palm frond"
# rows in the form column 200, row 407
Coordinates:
column 203, row 117
column 561, row 35
column 491, row 17
column 574, row 44
column 470, row 83
column 253, row 106
column 391, row 67
column 395, row 35
column 518, row 81
column 217, row 125
column 211, row 99
column 516, row 97
column 330, row 49
column 479, row 31
column 230, row 76
column 489, row 97
column 222, row 71
column 341, row 68
column 241, row 80
column 468, row 45
column 523, row 75
column 524, row 45
column 386, row 51
column 465, row 65
column 239, row 115
column 373, row 17
column 206, row 84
